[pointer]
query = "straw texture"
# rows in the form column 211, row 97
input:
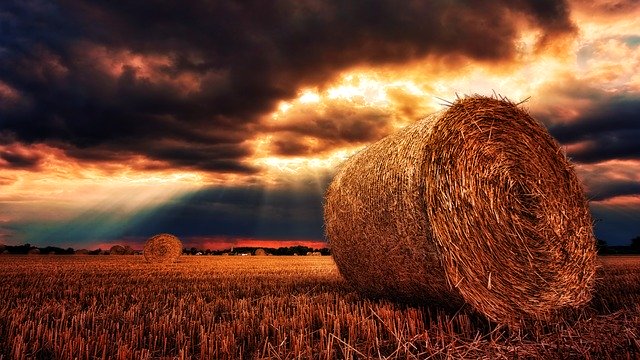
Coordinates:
column 476, row 204
column 162, row 248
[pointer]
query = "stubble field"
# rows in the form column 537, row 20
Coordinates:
column 215, row 307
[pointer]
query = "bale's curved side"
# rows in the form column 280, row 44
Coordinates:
column 376, row 224
column 477, row 203
column 162, row 248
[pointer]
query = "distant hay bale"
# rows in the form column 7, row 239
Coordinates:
column 82, row 252
column 34, row 251
column 117, row 250
column 162, row 248
column 476, row 204
column 5, row 252
column 260, row 252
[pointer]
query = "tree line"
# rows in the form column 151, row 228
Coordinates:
column 602, row 247
column 54, row 250
column 632, row 248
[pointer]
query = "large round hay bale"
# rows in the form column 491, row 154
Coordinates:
column 117, row 250
column 162, row 248
column 260, row 252
column 476, row 204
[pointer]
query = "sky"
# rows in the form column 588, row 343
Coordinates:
column 223, row 122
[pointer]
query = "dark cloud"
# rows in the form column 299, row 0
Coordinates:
column 14, row 158
column 128, row 77
column 606, row 188
column 610, row 130
column 316, row 131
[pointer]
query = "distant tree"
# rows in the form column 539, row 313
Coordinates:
column 601, row 246
column 19, row 249
column 635, row 243
column 54, row 250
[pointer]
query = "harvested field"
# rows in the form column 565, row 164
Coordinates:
column 88, row 307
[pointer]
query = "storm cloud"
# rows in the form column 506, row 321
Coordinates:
column 185, row 83
column 608, row 131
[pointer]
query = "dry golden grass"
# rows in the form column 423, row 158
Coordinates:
column 102, row 307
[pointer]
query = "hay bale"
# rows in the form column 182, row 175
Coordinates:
column 162, row 248
column 33, row 251
column 82, row 252
column 260, row 252
column 117, row 250
column 5, row 252
column 476, row 204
